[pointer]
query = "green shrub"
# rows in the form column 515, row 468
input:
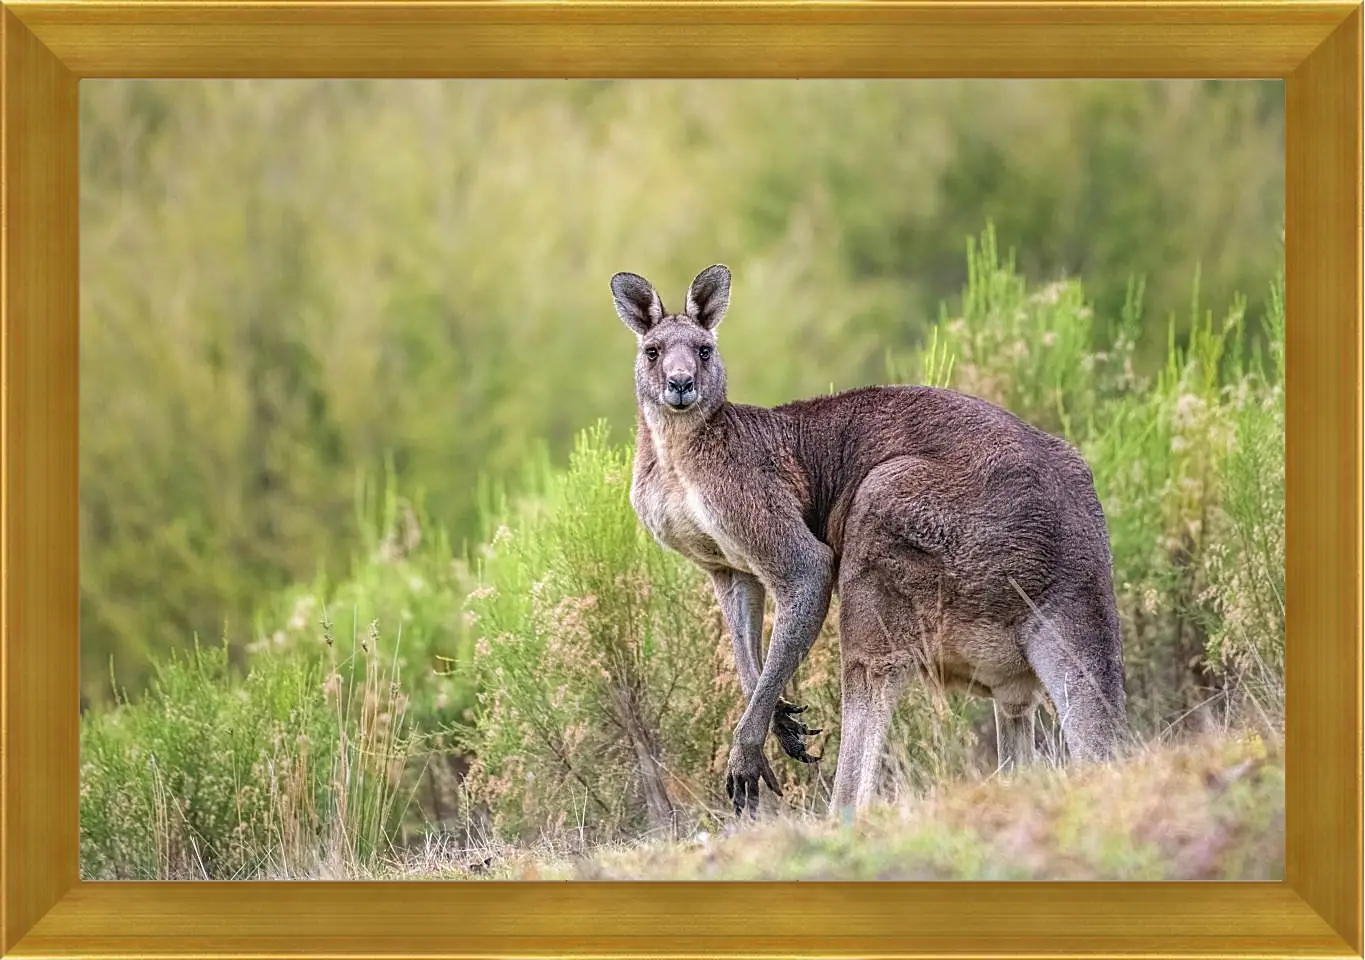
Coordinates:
column 1244, row 563
column 406, row 578
column 604, row 673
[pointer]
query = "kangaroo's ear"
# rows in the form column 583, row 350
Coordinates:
column 709, row 296
column 637, row 303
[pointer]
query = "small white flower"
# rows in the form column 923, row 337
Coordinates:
column 1050, row 294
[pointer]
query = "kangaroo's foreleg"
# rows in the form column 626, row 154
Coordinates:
column 741, row 603
column 800, row 574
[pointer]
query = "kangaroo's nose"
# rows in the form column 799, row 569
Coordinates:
column 682, row 382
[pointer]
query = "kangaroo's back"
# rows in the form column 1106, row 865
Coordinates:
column 1008, row 479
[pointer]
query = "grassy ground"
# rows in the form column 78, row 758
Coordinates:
column 1213, row 810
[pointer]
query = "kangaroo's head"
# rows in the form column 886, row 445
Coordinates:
column 678, row 372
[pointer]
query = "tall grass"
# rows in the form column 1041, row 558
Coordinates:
column 292, row 770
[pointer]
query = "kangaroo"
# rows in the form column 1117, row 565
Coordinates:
column 965, row 545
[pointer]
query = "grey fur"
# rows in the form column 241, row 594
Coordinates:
column 966, row 545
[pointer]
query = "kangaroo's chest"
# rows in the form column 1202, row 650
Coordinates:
column 682, row 517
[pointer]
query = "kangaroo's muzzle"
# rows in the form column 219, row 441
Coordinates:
column 681, row 391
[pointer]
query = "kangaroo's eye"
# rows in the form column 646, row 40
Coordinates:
column 704, row 353
column 652, row 353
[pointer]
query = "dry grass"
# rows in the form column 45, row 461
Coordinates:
column 1210, row 810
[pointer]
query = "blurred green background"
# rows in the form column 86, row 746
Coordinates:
column 292, row 287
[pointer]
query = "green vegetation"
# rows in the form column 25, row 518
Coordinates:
column 287, row 283
column 277, row 774
column 582, row 674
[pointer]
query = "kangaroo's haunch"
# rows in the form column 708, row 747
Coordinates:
column 967, row 546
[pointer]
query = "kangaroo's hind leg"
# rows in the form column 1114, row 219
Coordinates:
column 1013, row 736
column 875, row 668
column 1016, row 698
column 856, row 703
column 870, row 698
column 1014, row 726
column 890, row 604
column 1075, row 647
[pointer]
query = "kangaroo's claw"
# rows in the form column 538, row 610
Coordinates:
column 791, row 733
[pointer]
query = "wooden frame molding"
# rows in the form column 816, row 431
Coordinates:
column 49, row 45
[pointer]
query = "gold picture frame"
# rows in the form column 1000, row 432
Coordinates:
column 49, row 45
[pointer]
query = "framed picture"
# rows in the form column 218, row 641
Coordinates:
column 74, row 884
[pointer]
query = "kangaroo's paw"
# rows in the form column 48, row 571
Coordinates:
column 746, row 768
column 791, row 733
